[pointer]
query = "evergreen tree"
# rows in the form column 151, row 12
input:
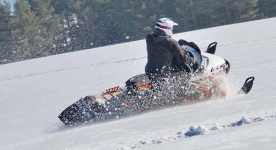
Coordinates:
column 267, row 8
column 50, row 26
column 5, row 15
column 27, row 33
column 45, row 27
column 70, row 12
column 5, row 19
column 246, row 10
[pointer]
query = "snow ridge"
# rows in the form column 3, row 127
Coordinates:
column 200, row 130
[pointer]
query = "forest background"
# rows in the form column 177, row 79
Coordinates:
column 38, row 28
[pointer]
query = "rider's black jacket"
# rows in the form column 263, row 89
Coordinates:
column 162, row 50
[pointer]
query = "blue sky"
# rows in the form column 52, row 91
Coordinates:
column 10, row 1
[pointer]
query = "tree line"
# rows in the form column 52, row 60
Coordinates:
column 38, row 28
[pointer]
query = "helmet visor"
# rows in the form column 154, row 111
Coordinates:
column 164, row 27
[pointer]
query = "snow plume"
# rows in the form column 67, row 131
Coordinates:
column 231, row 85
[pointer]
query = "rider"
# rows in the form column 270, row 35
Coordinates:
column 165, row 54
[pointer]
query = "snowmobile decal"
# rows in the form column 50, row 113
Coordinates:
column 196, row 95
column 126, row 105
column 143, row 86
column 112, row 90
column 220, row 68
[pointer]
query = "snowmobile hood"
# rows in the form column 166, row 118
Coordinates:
column 213, row 64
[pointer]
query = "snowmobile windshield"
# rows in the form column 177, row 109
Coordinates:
column 193, row 53
column 205, row 61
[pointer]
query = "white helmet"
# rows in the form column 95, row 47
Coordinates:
column 166, row 25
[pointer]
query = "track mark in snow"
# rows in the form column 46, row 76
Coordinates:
column 199, row 130
column 194, row 131
column 272, row 38
column 65, row 69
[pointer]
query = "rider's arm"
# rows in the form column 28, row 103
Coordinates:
column 179, row 56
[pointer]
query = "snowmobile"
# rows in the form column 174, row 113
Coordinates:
column 140, row 94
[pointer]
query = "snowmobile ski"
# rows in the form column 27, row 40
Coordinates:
column 212, row 48
column 247, row 86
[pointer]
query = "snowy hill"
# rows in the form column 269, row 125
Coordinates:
column 34, row 92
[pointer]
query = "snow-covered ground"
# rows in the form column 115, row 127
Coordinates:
column 34, row 92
